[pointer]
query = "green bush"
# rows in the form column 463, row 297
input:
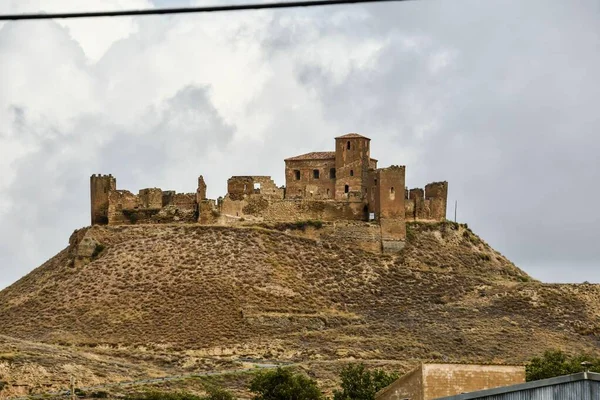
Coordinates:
column 215, row 393
column 360, row 384
column 158, row 395
column 556, row 363
column 283, row 384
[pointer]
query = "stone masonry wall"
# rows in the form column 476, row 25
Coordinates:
column 306, row 185
column 257, row 208
column 427, row 205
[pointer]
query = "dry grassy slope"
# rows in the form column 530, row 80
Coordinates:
column 250, row 291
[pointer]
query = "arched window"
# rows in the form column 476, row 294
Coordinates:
column 392, row 190
column 351, row 172
column 392, row 193
column 346, row 189
column 348, row 145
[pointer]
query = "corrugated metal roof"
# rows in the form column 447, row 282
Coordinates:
column 581, row 386
column 315, row 155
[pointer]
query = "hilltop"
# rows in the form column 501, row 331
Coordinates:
column 211, row 291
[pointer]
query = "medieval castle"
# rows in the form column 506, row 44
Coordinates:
column 363, row 204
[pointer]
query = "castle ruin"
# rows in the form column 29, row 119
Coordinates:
column 365, row 205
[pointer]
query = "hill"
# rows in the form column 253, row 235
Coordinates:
column 213, row 291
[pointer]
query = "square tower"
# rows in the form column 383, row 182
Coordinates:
column 352, row 163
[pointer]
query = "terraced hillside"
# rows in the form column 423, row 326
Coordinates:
column 236, row 292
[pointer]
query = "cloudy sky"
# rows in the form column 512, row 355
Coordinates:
column 499, row 97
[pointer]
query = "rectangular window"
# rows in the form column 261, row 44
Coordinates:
column 297, row 174
column 316, row 173
column 332, row 173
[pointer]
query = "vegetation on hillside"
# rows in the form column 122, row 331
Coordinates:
column 164, row 299
column 358, row 383
column 283, row 384
column 556, row 363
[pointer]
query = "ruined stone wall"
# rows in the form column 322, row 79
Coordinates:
column 151, row 198
column 151, row 206
column 440, row 380
column 301, row 182
column 239, row 187
column 352, row 161
column 100, row 188
column 429, row 204
column 389, row 207
column 257, row 208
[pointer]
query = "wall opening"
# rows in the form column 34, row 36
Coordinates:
column 392, row 193
column 316, row 173
column 346, row 188
column 327, row 192
column 332, row 173
column 348, row 145
column 366, row 213
column 257, row 187
column 351, row 172
column 297, row 174
column 375, row 182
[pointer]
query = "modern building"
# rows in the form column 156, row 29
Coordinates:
column 432, row 381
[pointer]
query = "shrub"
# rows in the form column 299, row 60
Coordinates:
column 555, row 363
column 157, row 395
column 283, row 384
column 97, row 250
column 215, row 393
column 361, row 384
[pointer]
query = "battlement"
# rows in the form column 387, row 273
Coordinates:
column 335, row 186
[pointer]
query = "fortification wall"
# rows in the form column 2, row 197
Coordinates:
column 427, row 205
column 240, row 187
column 151, row 206
column 258, row 208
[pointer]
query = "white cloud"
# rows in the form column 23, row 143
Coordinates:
column 448, row 90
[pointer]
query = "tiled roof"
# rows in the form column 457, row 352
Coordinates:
column 315, row 155
column 352, row 135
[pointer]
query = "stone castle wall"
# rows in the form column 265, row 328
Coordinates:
column 344, row 185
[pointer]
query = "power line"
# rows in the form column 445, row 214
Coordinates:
column 186, row 10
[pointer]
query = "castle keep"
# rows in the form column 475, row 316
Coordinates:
column 364, row 205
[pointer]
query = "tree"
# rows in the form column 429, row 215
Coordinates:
column 215, row 393
column 555, row 363
column 283, row 384
column 361, row 384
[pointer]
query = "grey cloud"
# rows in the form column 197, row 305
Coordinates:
column 49, row 195
column 515, row 116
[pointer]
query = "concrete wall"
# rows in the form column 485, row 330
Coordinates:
column 440, row 380
column 432, row 381
column 409, row 386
